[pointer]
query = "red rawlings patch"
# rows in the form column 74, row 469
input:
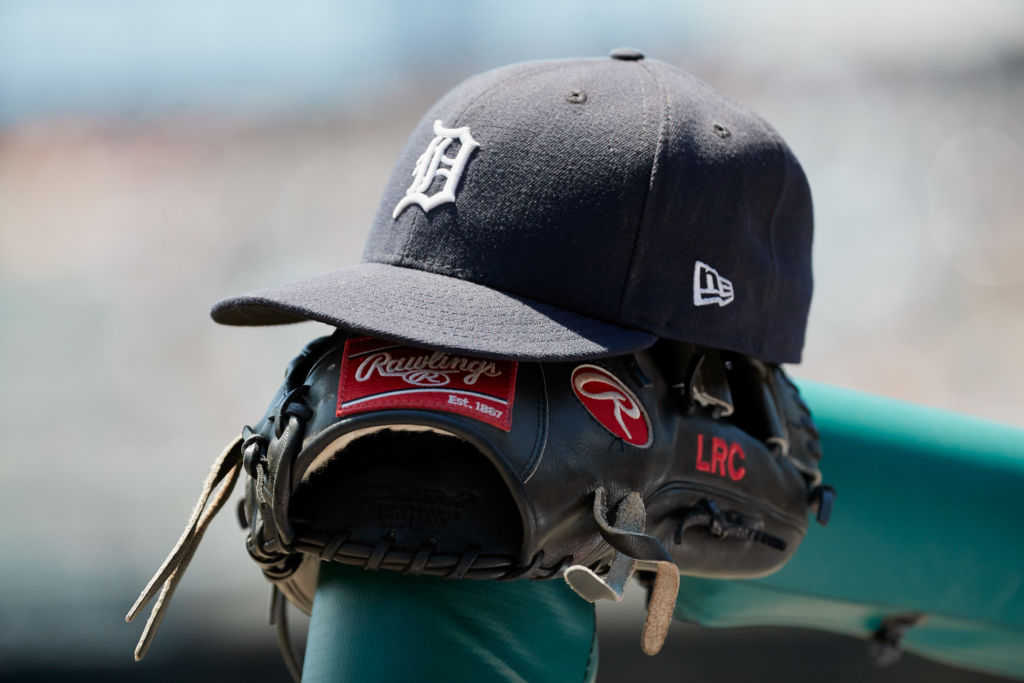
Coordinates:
column 381, row 375
column 612, row 404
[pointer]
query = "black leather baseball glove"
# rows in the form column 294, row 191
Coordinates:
column 678, row 459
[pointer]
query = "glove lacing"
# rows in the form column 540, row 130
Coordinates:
column 708, row 515
column 637, row 550
column 634, row 550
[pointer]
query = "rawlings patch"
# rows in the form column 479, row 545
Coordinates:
column 381, row 375
column 612, row 404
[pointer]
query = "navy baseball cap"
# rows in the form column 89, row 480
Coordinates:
column 571, row 210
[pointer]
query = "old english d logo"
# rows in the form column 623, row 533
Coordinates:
column 435, row 164
column 612, row 404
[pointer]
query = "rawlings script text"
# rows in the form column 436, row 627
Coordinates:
column 432, row 370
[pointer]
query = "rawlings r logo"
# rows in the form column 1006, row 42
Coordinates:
column 612, row 404
column 709, row 287
column 433, row 163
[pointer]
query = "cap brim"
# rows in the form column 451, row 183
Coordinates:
column 433, row 311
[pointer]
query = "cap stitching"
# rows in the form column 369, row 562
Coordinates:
column 571, row 315
column 411, row 260
column 650, row 183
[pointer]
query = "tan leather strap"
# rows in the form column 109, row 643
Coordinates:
column 216, row 490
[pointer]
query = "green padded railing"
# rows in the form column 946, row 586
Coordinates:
column 929, row 520
column 382, row 626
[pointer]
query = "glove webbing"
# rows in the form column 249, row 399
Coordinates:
column 216, row 490
column 708, row 515
column 290, row 535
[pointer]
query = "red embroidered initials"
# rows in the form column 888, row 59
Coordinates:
column 724, row 458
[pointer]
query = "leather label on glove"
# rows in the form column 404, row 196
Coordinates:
column 380, row 375
column 613, row 405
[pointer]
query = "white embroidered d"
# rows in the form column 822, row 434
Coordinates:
column 434, row 164
column 709, row 287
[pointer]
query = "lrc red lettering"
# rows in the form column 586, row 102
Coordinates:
column 726, row 458
column 702, row 464
column 719, row 452
column 736, row 473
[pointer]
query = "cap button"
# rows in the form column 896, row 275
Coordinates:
column 626, row 54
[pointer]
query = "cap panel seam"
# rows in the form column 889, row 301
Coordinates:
column 650, row 183
column 779, row 148
column 535, row 68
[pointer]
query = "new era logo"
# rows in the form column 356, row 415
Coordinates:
column 709, row 287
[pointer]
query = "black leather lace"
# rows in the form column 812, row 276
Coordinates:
column 468, row 563
column 707, row 515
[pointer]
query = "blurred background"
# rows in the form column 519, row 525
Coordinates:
column 157, row 156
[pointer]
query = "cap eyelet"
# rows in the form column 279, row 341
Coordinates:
column 721, row 131
column 576, row 96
